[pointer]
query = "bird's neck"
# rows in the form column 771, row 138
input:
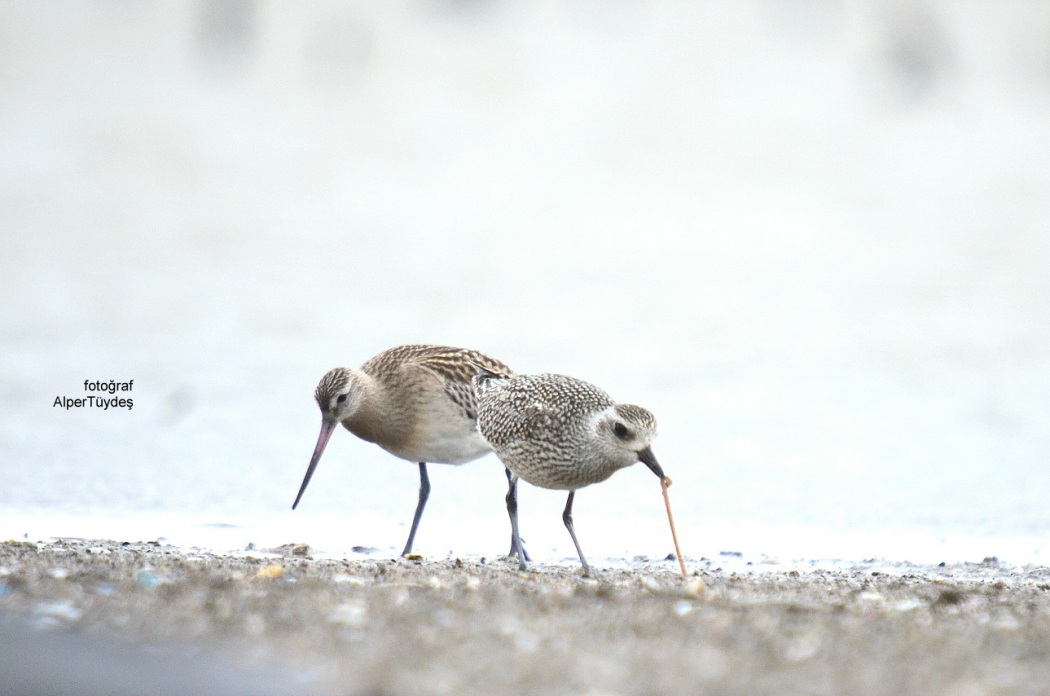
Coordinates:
column 374, row 419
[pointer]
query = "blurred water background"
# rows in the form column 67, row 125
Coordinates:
column 812, row 237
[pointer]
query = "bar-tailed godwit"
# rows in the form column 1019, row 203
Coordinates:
column 417, row 402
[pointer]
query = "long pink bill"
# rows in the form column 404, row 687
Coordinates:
column 327, row 428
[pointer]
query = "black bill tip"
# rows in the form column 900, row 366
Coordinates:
column 647, row 457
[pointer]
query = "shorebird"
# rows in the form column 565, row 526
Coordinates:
column 417, row 402
column 561, row 433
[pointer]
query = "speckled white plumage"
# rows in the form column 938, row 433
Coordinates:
column 560, row 432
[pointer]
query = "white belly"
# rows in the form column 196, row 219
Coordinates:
column 450, row 443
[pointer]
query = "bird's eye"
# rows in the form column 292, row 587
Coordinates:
column 341, row 399
column 621, row 431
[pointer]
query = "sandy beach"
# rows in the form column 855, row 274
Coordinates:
column 94, row 616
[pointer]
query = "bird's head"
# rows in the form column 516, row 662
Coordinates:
column 339, row 394
column 625, row 434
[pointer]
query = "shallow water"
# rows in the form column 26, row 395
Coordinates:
column 813, row 242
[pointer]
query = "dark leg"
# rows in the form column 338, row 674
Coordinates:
column 512, row 510
column 424, row 493
column 513, row 493
column 566, row 517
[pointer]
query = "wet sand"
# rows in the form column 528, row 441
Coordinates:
column 87, row 617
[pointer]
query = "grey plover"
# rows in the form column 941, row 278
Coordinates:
column 417, row 402
column 561, row 433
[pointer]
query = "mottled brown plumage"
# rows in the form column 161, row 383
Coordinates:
column 562, row 433
column 416, row 402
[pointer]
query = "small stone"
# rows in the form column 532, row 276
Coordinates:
column 906, row 605
column 695, row 587
column 271, row 571
column 802, row 647
column 60, row 610
column 293, row 549
column 649, row 583
column 352, row 614
column 949, row 597
column 145, row 577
